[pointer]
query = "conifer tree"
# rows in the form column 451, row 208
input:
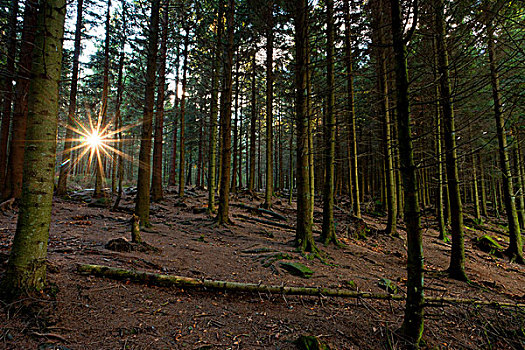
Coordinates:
column 26, row 270
column 413, row 321
column 143, row 183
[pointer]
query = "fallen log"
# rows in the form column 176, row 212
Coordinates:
column 188, row 282
column 442, row 301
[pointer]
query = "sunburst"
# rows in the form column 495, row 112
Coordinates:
column 95, row 142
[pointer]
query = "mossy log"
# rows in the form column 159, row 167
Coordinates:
column 188, row 282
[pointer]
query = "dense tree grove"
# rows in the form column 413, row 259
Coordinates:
column 387, row 107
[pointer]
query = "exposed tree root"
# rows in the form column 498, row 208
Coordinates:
column 266, row 222
column 187, row 282
column 121, row 244
column 8, row 204
column 261, row 210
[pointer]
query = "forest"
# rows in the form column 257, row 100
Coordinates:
column 262, row 174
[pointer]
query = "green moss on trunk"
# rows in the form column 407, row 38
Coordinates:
column 26, row 270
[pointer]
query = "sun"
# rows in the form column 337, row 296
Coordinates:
column 94, row 140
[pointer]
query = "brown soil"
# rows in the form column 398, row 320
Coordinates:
column 81, row 312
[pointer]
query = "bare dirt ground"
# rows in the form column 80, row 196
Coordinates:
column 86, row 312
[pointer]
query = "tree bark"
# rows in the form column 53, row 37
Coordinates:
column 438, row 122
column 235, row 129
column 253, row 123
column 200, row 150
column 7, row 88
column 182, row 149
column 102, row 116
column 13, row 183
column 173, row 168
column 118, row 117
column 143, row 183
column 519, row 184
column 239, row 172
column 477, row 206
column 413, row 321
column 351, row 121
column 226, row 113
column 328, row 232
column 156, row 180
column 67, row 163
column 212, row 165
column 303, row 235
column 515, row 249
column 381, row 71
column 26, row 269
column 483, row 186
column 310, row 135
column 268, row 193
column 456, row 269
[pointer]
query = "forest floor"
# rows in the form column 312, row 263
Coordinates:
column 86, row 312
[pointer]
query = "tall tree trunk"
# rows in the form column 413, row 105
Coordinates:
column 477, row 206
column 328, row 230
column 235, row 128
column 381, row 67
column 173, row 167
column 483, row 186
column 226, row 114
column 310, row 135
column 351, row 121
column 515, row 249
column 199, row 153
column 269, row 107
column 519, row 187
column 189, row 168
column 214, row 111
column 457, row 257
column 118, row 117
column 280, row 156
column 102, row 116
column 259, row 162
column 143, row 183
column 7, row 88
column 440, row 205
column 66, row 163
column 156, row 180
column 13, row 182
column 413, row 321
column 253, row 123
column 291, row 172
column 240, row 183
column 519, row 182
column 303, row 235
column 182, row 149
column 26, row 269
